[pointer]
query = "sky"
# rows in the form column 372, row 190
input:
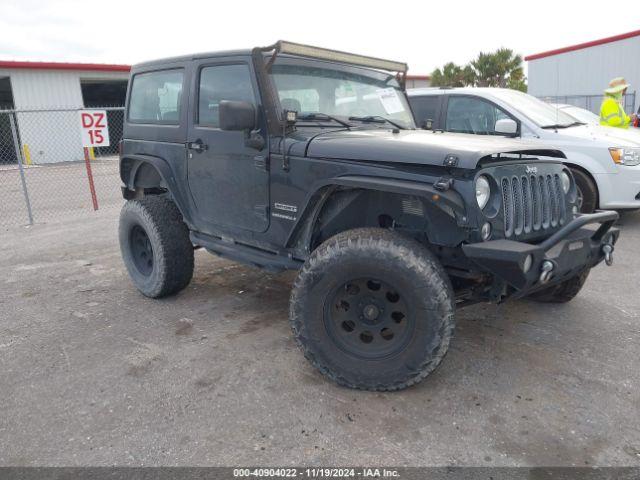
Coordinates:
column 424, row 34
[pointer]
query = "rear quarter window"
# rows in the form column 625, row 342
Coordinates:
column 156, row 97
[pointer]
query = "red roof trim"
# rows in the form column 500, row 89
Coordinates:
column 104, row 67
column 581, row 46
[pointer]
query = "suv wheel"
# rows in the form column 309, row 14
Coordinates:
column 155, row 246
column 563, row 292
column 587, row 191
column 373, row 310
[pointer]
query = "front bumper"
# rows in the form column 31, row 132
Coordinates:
column 619, row 190
column 579, row 245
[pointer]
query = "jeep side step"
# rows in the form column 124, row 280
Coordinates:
column 256, row 257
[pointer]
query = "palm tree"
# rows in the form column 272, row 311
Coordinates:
column 499, row 69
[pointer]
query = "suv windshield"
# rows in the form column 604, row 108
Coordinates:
column 541, row 113
column 374, row 99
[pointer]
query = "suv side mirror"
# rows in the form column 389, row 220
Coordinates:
column 506, row 126
column 238, row 116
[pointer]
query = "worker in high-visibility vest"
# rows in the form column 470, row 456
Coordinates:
column 612, row 111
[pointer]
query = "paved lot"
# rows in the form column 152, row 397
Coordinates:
column 92, row 373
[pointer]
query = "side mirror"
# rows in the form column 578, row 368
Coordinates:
column 506, row 126
column 237, row 116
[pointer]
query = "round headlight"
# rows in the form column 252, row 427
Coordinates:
column 483, row 190
column 566, row 181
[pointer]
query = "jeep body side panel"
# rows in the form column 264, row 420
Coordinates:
column 298, row 195
column 161, row 146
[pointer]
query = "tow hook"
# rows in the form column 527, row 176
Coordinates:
column 547, row 271
column 607, row 249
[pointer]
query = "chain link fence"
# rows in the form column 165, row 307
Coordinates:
column 591, row 102
column 43, row 172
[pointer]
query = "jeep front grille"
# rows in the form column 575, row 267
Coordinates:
column 532, row 203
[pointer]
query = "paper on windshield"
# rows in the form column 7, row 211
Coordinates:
column 390, row 100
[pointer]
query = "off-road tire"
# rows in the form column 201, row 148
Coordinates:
column 401, row 264
column 587, row 187
column 168, row 237
column 563, row 292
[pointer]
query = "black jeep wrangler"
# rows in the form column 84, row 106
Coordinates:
column 296, row 157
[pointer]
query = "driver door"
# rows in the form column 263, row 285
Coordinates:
column 228, row 180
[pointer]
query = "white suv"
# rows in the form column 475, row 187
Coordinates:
column 605, row 161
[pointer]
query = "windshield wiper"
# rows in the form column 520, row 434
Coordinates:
column 555, row 126
column 323, row 116
column 377, row 119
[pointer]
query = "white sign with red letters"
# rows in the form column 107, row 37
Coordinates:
column 94, row 128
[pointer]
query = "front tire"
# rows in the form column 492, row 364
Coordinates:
column 155, row 246
column 373, row 310
column 563, row 292
column 587, row 191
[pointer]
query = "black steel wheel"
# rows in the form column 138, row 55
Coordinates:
column 141, row 250
column 373, row 310
column 368, row 318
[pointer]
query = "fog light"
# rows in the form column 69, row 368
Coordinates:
column 485, row 232
column 528, row 261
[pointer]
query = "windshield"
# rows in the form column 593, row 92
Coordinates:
column 541, row 113
column 345, row 95
column 582, row 115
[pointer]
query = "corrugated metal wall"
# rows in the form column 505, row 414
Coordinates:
column 52, row 135
column 586, row 71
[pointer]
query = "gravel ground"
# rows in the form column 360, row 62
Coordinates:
column 93, row 373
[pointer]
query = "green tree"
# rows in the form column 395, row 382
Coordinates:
column 452, row 75
column 501, row 68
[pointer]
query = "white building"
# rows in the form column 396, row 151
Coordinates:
column 418, row 81
column 46, row 97
column 578, row 74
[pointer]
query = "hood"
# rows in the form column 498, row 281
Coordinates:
column 418, row 146
column 608, row 136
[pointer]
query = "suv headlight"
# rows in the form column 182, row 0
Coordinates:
column 625, row 156
column 566, row 182
column 483, row 191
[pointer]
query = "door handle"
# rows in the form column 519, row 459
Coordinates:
column 198, row 146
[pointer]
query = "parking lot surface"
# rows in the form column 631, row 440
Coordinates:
column 93, row 373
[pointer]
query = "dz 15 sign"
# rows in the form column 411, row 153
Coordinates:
column 94, row 128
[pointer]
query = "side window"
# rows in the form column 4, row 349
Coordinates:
column 222, row 82
column 156, row 97
column 472, row 115
column 425, row 108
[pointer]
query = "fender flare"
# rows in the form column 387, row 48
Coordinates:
column 178, row 194
column 448, row 201
column 128, row 175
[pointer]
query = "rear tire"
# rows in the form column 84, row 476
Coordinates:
column 563, row 292
column 155, row 246
column 587, row 191
column 373, row 310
